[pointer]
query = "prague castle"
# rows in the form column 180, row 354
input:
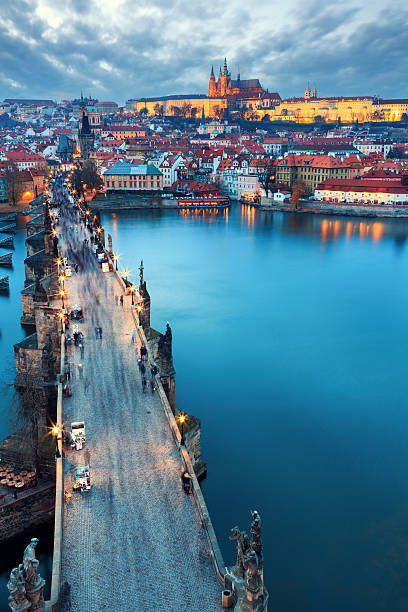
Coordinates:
column 248, row 99
column 225, row 86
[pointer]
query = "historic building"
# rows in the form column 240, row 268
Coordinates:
column 85, row 135
column 127, row 177
column 314, row 169
column 224, row 94
column 226, row 86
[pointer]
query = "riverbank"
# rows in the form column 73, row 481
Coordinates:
column 339, row 209
column 116, row 204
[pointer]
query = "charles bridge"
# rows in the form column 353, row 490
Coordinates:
column 136, row 540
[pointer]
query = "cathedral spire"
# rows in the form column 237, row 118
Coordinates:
column 212, row 70
column 225, row 67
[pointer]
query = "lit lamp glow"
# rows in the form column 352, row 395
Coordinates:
column 182, row 419
column 132, row 290
column 139, row 310
column 57, row 432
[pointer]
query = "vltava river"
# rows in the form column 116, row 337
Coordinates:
column 290, row 342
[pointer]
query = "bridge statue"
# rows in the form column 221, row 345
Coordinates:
column 247, row 574
column 242, row 548
column 26, row 585
column 16, row 586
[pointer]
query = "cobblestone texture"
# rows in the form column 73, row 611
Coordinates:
column 134, row 541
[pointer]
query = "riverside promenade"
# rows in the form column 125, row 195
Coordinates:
column 134, row 542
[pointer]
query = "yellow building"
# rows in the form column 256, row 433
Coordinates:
column 126, row 177
column 188, row 105
column 347, row 109
column 249, row 96
column 313, row 169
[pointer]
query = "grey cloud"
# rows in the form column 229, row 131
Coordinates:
column 171, row 48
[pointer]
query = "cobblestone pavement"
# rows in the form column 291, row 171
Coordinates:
column 132, row 543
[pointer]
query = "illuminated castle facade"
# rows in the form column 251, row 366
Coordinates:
column 226, row 86
column 248, row 98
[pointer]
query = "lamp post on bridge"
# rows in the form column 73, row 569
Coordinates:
column 115, row 259
column 62, row 294
column 182, row 419
column 57, row 433
column 132, row 290
column 139, row 310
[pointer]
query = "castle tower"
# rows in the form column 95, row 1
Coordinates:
column 307, row 92
column 85, row 135
column 224, row 80
column 212, row 87
column 314, row 92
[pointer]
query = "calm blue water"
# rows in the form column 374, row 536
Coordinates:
column 290, row 336
column 290, row 341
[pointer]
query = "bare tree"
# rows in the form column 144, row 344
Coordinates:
column 186, row 109
column 265, row 174
column 14, row 183
column 298, row 190
column 158, row 109
column 28, row 412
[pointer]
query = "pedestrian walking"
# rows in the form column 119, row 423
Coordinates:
column 152, row 385
column 144, row 383
column 154, row 370
column 133, row 336
column 142, row 369
column 96, row 332
column 81, row 348
column 80, row 370
column 121, row 300
column 100, row 332
column 143, row 353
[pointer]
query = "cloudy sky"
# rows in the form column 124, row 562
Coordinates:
column 120, row 49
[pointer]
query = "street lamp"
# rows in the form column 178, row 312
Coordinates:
column 125, row 276
column 132, row 290
column 62, row 293
column 115, row 259
column 61, row 279
column 57, row 433
column 182, row 419
column 139, row 310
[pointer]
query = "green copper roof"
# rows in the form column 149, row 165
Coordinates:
column 123, row 167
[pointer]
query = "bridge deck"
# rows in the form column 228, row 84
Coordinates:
column 134, row 541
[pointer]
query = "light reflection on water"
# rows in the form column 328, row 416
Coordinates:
column 289, row 344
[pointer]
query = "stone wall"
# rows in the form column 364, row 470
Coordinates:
column 24, row 513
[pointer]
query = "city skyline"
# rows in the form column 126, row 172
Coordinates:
column 96, row 49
